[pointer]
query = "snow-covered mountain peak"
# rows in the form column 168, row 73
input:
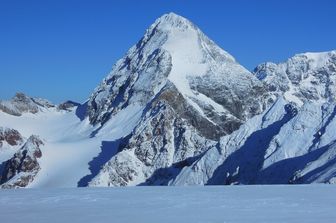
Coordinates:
column 306, row 77
column 174, row 54
column 171, row 28
column 22, row 103
column 311, row 61
column 317, row 60
column 172, row 20
column 188, row 92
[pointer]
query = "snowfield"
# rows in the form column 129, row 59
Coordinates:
column 308, row 203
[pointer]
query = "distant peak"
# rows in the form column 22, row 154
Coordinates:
column 315, row 55
column 19, row 96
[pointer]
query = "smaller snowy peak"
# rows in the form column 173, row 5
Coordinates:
column 22, row 103
column 22, row 168
column 317, row 60
column 306, row 77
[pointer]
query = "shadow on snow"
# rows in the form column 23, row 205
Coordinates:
column 108, row 150
column 243, row 165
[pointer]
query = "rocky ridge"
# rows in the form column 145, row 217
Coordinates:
column 21, row 169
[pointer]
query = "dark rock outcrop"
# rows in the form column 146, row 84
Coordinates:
column 21, row 169
column 11, row 136
column 68, row 105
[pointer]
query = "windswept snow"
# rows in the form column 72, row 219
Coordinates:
column 239, row 204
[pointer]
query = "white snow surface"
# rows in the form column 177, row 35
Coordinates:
column 231, row 204
column 69, row 146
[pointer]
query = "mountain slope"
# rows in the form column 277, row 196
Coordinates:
column 277, row 147
column 192, row 93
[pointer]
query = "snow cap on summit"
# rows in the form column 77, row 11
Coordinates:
column 172, row 20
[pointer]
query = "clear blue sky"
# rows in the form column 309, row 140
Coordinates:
column 62, row 49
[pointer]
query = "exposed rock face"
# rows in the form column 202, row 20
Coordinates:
column 292, row 141
column 284, row 144
column 308, row 77
column 21, row 169
column 67, row 106
column 160, row 146
column 11, row 136
column 276, row 147
column 21, row 103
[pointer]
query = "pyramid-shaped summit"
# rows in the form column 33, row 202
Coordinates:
column 175, row 56
column 171, row 20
